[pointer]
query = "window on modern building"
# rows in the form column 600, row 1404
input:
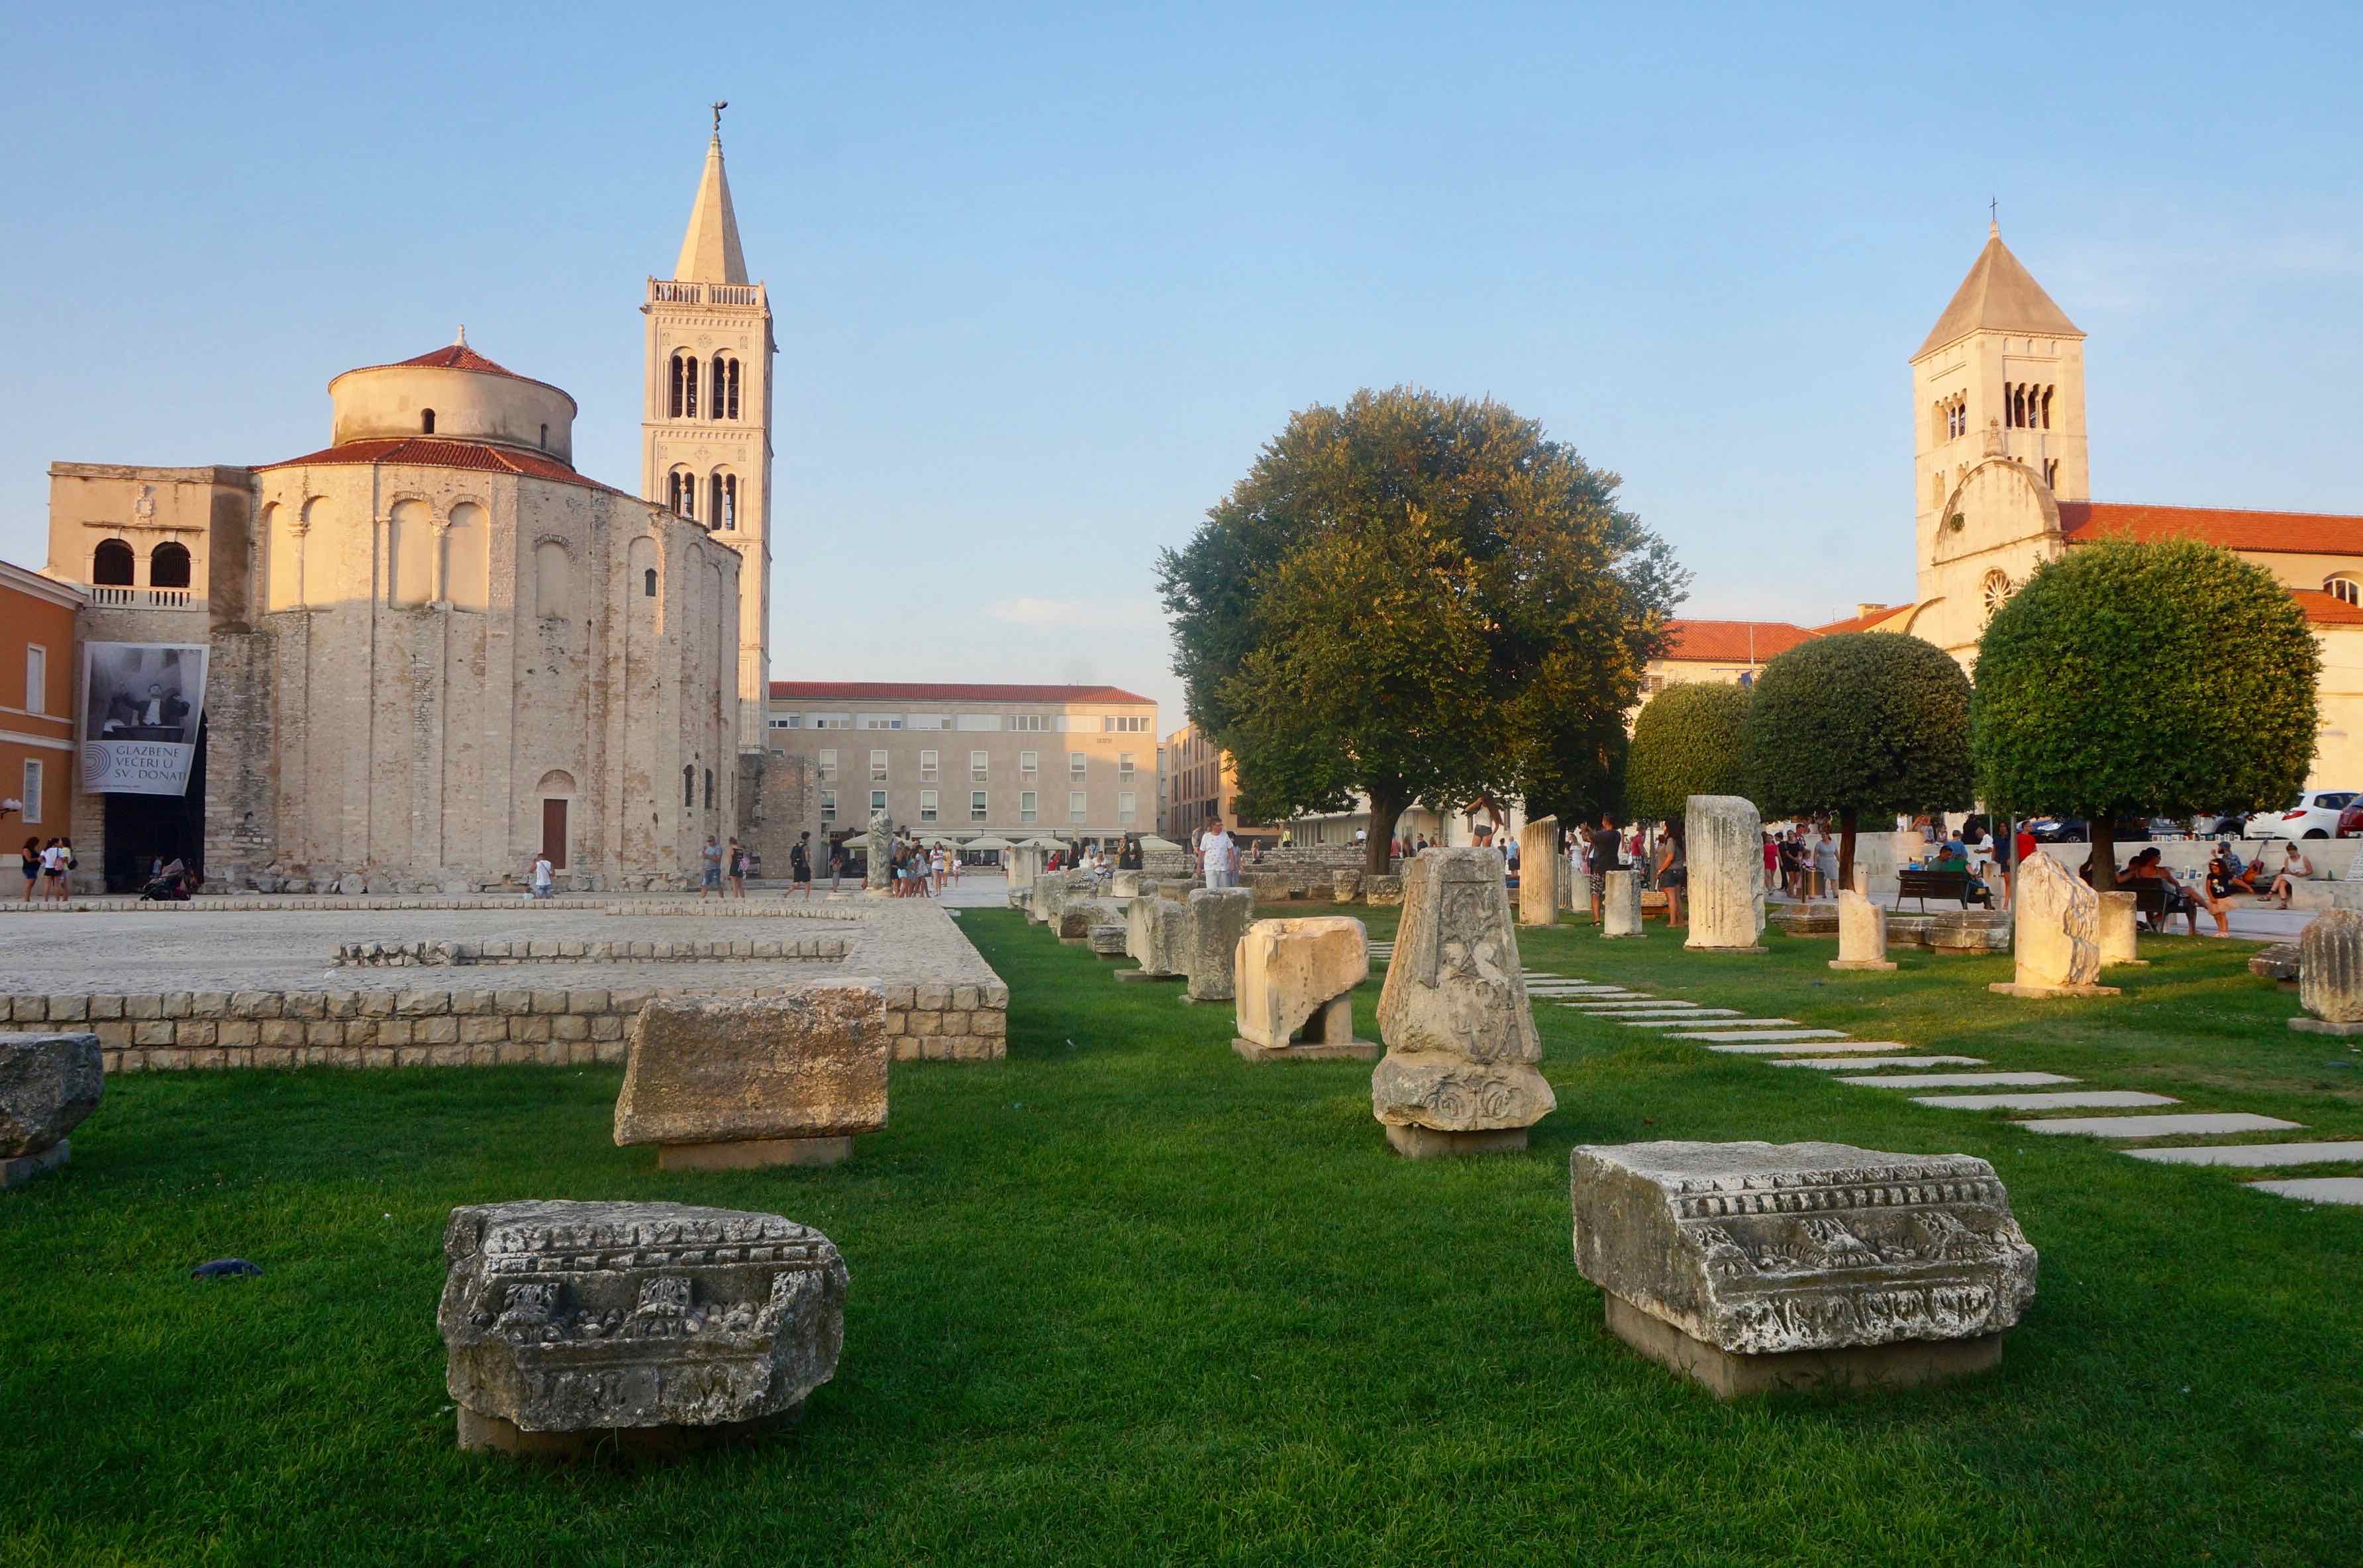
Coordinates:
column 1126, row 804
column 31, row 792
column 1029, row 805
column 828, row 805
column 976, row 810
column 37, row 679
column 786, row 721
column 1077, row 764
column 110, row 564
column 688, row 786
column 877, row 802
column 1028, row 722
column 877, row 766
column 167, row 565
column 927, row 805
column 881, row 721
column 649, row 583
column 827, row 767
column 1076, row 808
column 1029, row 764
column 1124, row 765
column 832, row 720
column 980, row 767
column 2344, row 588
column 927, row 765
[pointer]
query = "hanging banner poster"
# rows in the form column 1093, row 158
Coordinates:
column 141, row 702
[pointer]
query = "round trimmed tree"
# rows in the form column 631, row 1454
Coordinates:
column 2128, row 677
column 1863, row 721
column 1687, row 740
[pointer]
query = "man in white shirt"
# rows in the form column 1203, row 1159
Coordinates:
column 541, row 875
column 1218, row 851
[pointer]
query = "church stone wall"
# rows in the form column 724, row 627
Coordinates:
column 776, row 802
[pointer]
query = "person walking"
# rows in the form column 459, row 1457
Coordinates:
column 737, row 861
column 710, row 875
column 1218, row 851
column 31, row 858
column 1825, row 862
column 800, row 867
column 1673, row 875
column 836, row 865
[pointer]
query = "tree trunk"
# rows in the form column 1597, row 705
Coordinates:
column 1388, row 802
column 2104, row 854
column 1845, row 851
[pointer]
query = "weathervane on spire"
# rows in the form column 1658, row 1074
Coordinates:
column 719, row 105
column 1993, row 205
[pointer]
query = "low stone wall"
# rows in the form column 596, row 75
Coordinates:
column 735, row 909
column 178, row 1029
column 400, row 954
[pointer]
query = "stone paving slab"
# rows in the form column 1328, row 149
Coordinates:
column 1719, row 1024
column 2161, row 1126
column 1959, row 1080
column 1768, row 1047
column 1660, row 1015
column 2073, row 1100
column 2317, row 1190
column 1832, row 1064
column 1652, row 1004
column 2254, row 1155
column 1758, row 1034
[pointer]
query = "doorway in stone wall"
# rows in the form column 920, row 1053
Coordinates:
column 556, row 793
column 144, row 829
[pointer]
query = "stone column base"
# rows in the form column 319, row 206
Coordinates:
column 1316, row 1051
column 1145, row 975
column 499, row 1434
column 1862, row 964
column 20, row 1169
column 1428, row 1144
column 750, row 1154
column 2303, row 1025
column 1732, row 1374
column 2010, row 988
column 1692, row 947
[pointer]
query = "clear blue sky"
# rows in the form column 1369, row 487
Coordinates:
column 1046, row 278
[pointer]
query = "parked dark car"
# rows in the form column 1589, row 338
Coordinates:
column 2076, row 830
column 2350, row 821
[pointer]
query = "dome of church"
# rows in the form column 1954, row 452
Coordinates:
column 454, row 394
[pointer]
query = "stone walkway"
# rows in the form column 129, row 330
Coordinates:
column 1786, row 1044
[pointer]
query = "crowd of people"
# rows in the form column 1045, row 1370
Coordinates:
column 46, row 867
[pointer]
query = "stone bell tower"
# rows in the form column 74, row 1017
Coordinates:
column 705, row 427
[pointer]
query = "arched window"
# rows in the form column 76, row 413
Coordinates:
column 724, row 512
column 409, row 554
column 709, row 788
column 688, row 786
column 2017, row 407
column 467, row 558
column 649, row 583
column 167, row 565
column 426, row 421
column 544, row 437
column 731, row 411
column 2052, row 472
column 1997, row 591
column 2046, row 406
column 2344, row 588
column 110, row 564
column 553, row 580
column 689, row 386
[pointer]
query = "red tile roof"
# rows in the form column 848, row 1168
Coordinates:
column 935, row 692
column 1731, row 642
column 458, row 357
column 427, row 452
column 2297, row 532
column 2326, row 609
column 1862, row 623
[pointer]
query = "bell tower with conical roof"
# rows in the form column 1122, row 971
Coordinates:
column 705, row 428
column 2000, row 375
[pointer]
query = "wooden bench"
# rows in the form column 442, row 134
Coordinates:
column 2149, row 903
column 1926, row 885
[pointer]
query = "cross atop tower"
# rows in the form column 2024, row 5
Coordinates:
column 719, row 105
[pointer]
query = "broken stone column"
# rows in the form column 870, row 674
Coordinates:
column 1345, row 886
column 1024, row 864
column 1862, row 933
column 567, row 1327
column 1757, row 1267
column 49, row 1083
column 1299, row 974
column 2055, row 933
column 1157, row 935
column 1539, row 870
column 1216, row 918
column 2330, row 974
column 876, row 872
column 758, row 1081
column 1458, row 1076
column 1620, row 904
column 1106, row 940
column 1125, row 885
column 2120, row 916
column 1724, row 839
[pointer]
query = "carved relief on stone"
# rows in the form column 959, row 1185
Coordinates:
column 2055, row 933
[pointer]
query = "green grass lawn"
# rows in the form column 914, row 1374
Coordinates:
column 1128, row 1299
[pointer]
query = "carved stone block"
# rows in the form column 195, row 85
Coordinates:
column 1620, row 904
column 706, row 1078
column 1459, row 1036
column 2055, row 933
column 1382, row 890
column 2330, row 969
column 1298, row 974
column 2119, row 927
column 1862, row 933
column 1752, row 1265
column 49, row 1083
column 1540, row 870
column 1217, row 916
column 1156, row 933
column 594, row 1319
column 1724, row 838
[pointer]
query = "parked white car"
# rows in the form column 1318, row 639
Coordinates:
column 2315, row 815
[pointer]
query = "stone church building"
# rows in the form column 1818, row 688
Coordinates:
column 436, row 647
column 2003, row 483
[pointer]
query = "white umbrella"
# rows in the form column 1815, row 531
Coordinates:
column 988, row 841
column 1152, row 842
column 1044, row 844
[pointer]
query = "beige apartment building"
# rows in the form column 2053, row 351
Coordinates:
column 972, row 761
column 1204, row 782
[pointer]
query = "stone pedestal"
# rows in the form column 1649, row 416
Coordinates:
column 760, row 1081
column 1539, row 869
column 1125, row 884
column 1620, row 904
column 2055, row 933
column 1862, row 934
column 1724, row 840
column 1216, row 918
column 1427, row 1143
column 20, row 1169
column 49, row 1083
column 1751, row 1266
column 2119, row 923
column 2330, row 974
column 1295, row 980
column 1345, row 886
column 1460, row 1038
column 493, row 1434
column 568, row 1324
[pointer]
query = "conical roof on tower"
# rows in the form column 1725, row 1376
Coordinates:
column 1999, row 295
column 709, row 251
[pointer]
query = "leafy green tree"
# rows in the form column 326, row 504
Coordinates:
column 1862, row 721
column 2129, row 677
column 1689, row 740
column 1576, row 770
column 1413, row 597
